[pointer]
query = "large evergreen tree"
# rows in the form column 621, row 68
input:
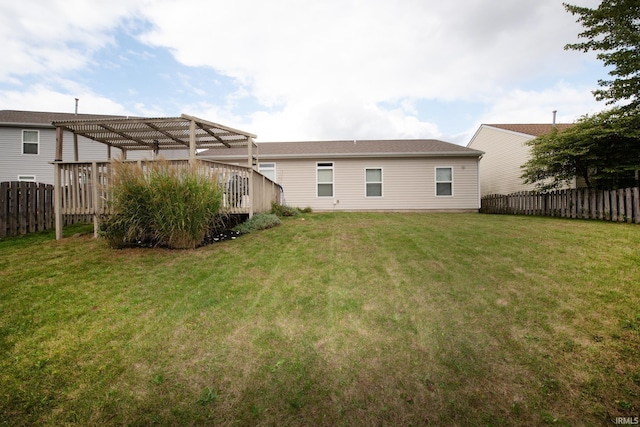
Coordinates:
column 613, row 30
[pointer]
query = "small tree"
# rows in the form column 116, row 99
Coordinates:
column 603, row 149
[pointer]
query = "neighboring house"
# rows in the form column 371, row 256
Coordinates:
column 505, row 151
column 28, row 144
column 372, row 175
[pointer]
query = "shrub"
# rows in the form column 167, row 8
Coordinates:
column 282, row 210
column 257, row 222
column 162, row 205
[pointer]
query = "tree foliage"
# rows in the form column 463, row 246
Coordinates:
column 613, row 30
column 603, row 149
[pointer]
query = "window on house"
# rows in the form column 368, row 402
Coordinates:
column 30, row 142
column 268, row 170
column 373, row 182
column 444, row 181
column 325, row 179
column 30, row 178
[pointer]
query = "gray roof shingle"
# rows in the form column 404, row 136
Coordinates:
column 350, row 148
column 533, row 129
column 45, row 118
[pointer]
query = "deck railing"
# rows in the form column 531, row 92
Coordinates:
column 82, row 188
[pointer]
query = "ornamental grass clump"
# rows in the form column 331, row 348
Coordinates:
column 161, row 205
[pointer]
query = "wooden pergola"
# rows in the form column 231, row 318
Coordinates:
column 144, row 134
column 154, row 134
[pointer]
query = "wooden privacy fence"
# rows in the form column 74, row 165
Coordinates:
column 25, row 207
column 621, row 205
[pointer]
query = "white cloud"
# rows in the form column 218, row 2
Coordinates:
column 319, row 69
column 44, row 37
column 49, row 99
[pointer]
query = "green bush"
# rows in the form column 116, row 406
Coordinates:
column 161, row 205
column 282, row 210
column 257, row 222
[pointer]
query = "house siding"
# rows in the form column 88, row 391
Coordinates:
column 505, row 152
column 14, row 163
column 408, row 184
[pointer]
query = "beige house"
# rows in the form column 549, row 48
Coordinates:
column 505, row 151
column 368, row 175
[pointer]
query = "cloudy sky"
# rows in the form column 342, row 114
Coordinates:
column 302, row 70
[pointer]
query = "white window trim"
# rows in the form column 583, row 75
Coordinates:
column 333, row 178
column 435, row 176
column 28, row 142
column 270, row 168
column 27, row 178
column 376, row 182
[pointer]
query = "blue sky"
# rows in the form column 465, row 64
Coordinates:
column 288, row 70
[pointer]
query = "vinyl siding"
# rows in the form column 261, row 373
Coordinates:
column 505, row 152
column 14, row 163
column 408, row 184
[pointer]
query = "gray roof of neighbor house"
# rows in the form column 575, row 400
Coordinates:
column 43, row 118
column 349, row 148
column 533, row 129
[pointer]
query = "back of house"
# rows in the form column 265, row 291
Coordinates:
column 369, row 175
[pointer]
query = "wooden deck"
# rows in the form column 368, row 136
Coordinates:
column 82, row 188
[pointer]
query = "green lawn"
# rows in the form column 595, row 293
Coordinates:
column 328, row 319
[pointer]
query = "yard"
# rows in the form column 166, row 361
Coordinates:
column 328, row 319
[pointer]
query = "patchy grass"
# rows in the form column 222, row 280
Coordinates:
column 329, row 319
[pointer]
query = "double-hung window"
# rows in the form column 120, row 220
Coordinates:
column 373, row 182
column 444, row 181
column 30, row 142
column 268, row 170
column 324, row 179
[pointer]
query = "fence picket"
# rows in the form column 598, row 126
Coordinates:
column 622, row 205
column 25, row 207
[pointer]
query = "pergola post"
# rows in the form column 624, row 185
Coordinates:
column 252, row 193
column 97, row 208
column 57, row 190
column 192, row 142
column 75, row 147
column 57, row 201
